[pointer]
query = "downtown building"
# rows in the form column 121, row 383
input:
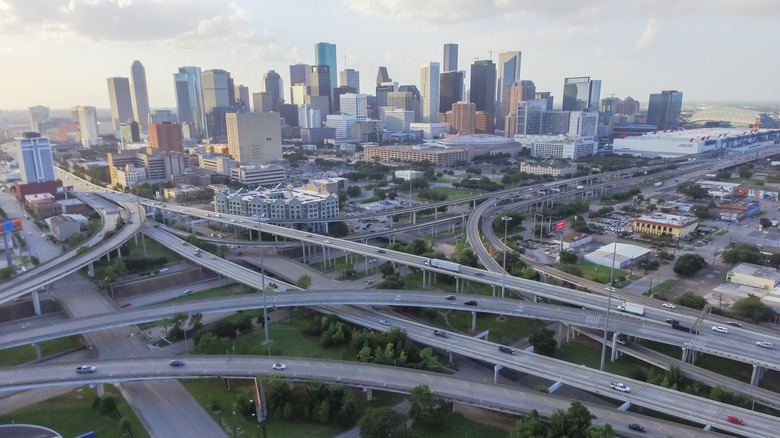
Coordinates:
column 254, row 138
column 129, row 168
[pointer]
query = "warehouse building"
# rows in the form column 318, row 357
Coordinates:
column 623, row 255
column 760, row 277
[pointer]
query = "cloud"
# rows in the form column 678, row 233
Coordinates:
column 648, row 37
column 172, row 23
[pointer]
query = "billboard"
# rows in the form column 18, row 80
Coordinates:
column 560, row 225
column 10, row 225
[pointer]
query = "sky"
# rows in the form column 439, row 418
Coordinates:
column 58, row 53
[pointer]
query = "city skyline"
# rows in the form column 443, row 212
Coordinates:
column 630, row 46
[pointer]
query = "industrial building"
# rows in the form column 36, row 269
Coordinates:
column 677, row 143
column 623, row 255
column 659, row 223
column 760, row 277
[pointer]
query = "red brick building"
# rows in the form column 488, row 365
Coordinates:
column 166, row 136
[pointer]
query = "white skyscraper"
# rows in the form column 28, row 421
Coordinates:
column 88, row 126
column 354, row 104
column 429, row 91
column 121, row 102
column 309, row 116
column 139, row 93
column 508, row 74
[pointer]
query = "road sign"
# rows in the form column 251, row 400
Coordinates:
column 9, row 226
column 560, row 225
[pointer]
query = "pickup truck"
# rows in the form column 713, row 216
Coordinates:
column 619, row 387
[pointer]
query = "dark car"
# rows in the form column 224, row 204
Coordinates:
column 381, row 251
column 479, row 274
column 470, row 302
column 734, row 323
column 176, row 363
column 506, row 350
column 637, row 427
column 441, row 333
column 450, row 297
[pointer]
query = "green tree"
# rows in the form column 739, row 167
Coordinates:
column 572, row 423
column 304, row 281
column 382, row 422
column 338, row 229
column 751, row 308
column 530, row 426
column 543, row 341
column 428, row 360
column 568, row 257
column 745, row 171
column 688, row 264
column 423, row 409
column 674, row 378
column 765, row 222
column 689, row 299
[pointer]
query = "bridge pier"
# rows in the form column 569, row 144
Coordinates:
column 496, row 369
column 457, row 285
column 143, row 244
column 473, row 321
column 414, row 214
column 37, row 347
column 614, row 355
column 119, row 252
column 758, row 374
column 369, row 394
column 108, row 256
column 559, row 333
column 100, row 389
column 91, row 269
column 449, row 354
column 36, row 303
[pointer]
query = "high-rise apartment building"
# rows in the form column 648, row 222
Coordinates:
column 429, row 91
column 121, row 101
column 38, row 115
column 356, row 105
column 325, row 54
column 139, row 93
column 320, row 84
column 350, row 78
column 86, row 116
column 451, row 89
column 272, row 84
column 627, row 106
column 508, row 74
column 254, row 138
column 189, row 98
column 581, row 93
column 450, row 58
column 483, row 85
column 166, row 137
column 663, row 109
column 35, row 162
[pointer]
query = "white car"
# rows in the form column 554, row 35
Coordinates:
column 279, row 366
column 84, row 369
column 327, row 241
column 764, row 344
column 620, row 387
column 384, row 322
column 164, row 270
column 669, row 305
column 611, row 289
column 720, row 329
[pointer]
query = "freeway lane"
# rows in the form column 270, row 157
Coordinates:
column 497, row 397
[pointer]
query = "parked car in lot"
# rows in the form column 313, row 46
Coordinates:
column 176, row 363
column 441, row 333
column 619, row 387
column 85, row 369
column 637, row 427
column 720, row 329
column 506, row 350
column 764, row 344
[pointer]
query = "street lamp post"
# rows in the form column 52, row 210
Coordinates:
column 609, row 306
column 262, row 281
column 506, row 220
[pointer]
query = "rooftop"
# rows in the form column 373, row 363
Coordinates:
column 668, row 219
column 756, row 271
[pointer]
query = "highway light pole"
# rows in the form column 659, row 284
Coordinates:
column 609, row 306
column 506, row 220
column 262, row 280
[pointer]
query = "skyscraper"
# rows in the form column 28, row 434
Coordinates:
column 429, row 91
column 86, row 116
column 350, row 78
column 483, row 85
column 166, row 137
column 121, row 102
column 382, row 76
column 450, row 58
column 354, row 104
column 254, row 138
column 337, row 93
column 299, row 74
column 627, row 106
column 546, row 95
column 35, row 162
column 216, row 84
column 38, row 114
column 508, row 74
column 450, row 89
column 464, row 117
column 272, row 83
column 189, row 98
column 242, row 96
column 139, row 93
column 320, row 84
column 325, row 54
column 581, row 93
column 663, row 110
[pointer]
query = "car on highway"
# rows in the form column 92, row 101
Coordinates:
column 470, row 302
column 176, row 363
column 279, row 366
column 381, row 251
column 637, row 427
column 506, row 350
column 618, row 386
column 720, row 329
column 734, row 323
column 384, row 322
column 308, row 235
column 213, row 257
column 326, row 241
column 735, row 420
column 479, row 274
column 273, row 285
column 450, row 297
column 126, row 305
column 610, row 289
column 85, row 369
column 187, row 292
column 441, row 333
column 669, row 305
column 164, row 270
column 764, row 344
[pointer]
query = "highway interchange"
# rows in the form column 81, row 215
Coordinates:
column 649, row 329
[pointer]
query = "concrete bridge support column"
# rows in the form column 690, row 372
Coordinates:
column 119, row 252
column 457, row 285
column 559, row 333
column 37, row 350
column 473, row 321
column 758, row 374
column 369, row 394
column 36, row 302
column 108, row 256
column 414, row 217
column 496, row 369
column 614, row 355
column 326, row 228
column 91, row 269
column 100, row 389
column 449, row 354
column 143, row 244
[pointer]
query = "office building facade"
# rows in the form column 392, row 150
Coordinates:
column 217, row 89
column 356, row 105
column 350, row 78
column 483, row 85
column 139, row 93
column 451, row 89
column 581, row 93
column 254, row 138
column 325, row 54
column 320, row 84
column 189, row 98
column 86, row 116
column 663, row 109
column 121, row 102
column 35, row 160
column 429, row 91
column 273, row 84
column 508, row 74
column 450, row 58
column 166, row 137
column 38, row 115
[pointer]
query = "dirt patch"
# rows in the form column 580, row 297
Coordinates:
column 484, row 416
